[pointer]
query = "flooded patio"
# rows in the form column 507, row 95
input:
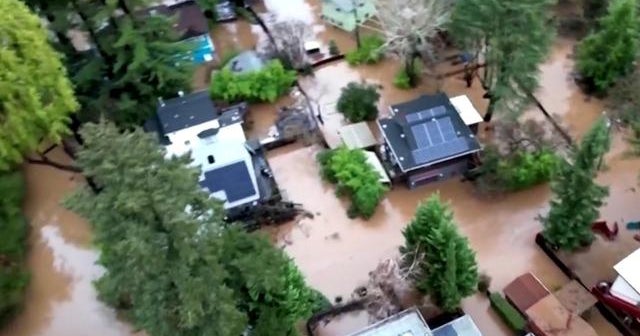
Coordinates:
column 334, row 252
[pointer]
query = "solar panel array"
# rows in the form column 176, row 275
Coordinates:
column 428, row 154
column 436, row 139
column 431, row 113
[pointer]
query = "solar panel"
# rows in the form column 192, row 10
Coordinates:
column 421, row 136
column 233, row 179
column 437, row 152
column 433, row 112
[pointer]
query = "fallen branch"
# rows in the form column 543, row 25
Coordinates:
column 44, row 161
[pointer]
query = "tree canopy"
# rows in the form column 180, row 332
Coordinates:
column 611, row 50
column 446, row 265
column 128, row 60
column 359, row 102
column 172, row 265
column 514, row 37
column 36, row 97
column 576, row 196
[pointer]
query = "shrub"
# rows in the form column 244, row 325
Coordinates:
column 402, row 80
column 266, row 84
column 354, row 177
column 509, row 315
column 370, row 51
column 13, row 233
column 609, row 52
column 515, row 171
column 358, row 102
column 333, row 48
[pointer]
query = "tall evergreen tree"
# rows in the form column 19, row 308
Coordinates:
column 133, row 61
column 610, row 52
column 36, row 97
column 514, row 37
column 446, row 265
column 576, row 196
column 172, row 265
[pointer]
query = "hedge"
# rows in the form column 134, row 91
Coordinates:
column 509, row 315
column 264, row 85
column 13, row 233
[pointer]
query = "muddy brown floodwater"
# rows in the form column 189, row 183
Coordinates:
column 60, row 299
column 334, row 252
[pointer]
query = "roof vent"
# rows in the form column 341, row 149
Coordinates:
column 402, row 135
column 181, row 93
column 211, row 159
column 161, row 101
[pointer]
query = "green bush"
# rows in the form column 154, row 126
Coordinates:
column 610, row 51
column 358, row 102
column 13, row 233
column 509, row 315
column 370, row 51
column 354, row 177
column 266, row 84
column 517, row 171
column 402, row 80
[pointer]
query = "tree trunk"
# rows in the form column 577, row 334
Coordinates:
column 356, row 31
column 492, row 103
column 122, row 4
column 553, row 122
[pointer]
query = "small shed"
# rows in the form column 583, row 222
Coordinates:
column 406, row 323
column 347, row 14
column 245, row 62
column 629, row 269
column 469, row 114
column 357, row 136
column 374, row 162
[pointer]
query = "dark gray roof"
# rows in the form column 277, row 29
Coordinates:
column 426, row 131
column 182, row 112
column 233, row 179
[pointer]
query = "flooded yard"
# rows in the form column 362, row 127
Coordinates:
column 334, row 252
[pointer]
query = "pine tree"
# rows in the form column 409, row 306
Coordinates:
column 134, row 58
column 610, row 52
column 172, row 265
column 576, row 196
column 446, row 265
column 515, row 36
column 36, row 97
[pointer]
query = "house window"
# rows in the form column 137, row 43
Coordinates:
column 211, row 159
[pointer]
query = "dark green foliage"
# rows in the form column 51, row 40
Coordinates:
column 509, row 315
column 208, row 8
column 13, row 233
column 354, row 177
column 624, row 103
column 266, row 84
column 516, row 171
column 576, row 196
column 333, row 48
column 134, row 60
column 512, row 55
column 359, row 102
column 370, row 51
column 610, row 51
column 446, row 264
column 593, row 9
column 173, row 266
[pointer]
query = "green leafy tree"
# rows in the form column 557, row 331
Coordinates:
column 370, row 51
column 609, row 52
column 36, row 97
column 512, row 55
column 446, row 265
column 173, row 266
column 576, row 196
column 354, row 177
column 359, row 102
column 266, row 84
column 13, row 234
